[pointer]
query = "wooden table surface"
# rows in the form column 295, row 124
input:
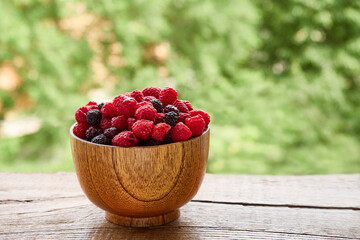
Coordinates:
column 52, row 206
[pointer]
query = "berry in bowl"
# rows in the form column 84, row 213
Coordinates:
column 142, row 156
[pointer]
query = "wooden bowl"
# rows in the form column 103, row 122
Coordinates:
column 141, row 186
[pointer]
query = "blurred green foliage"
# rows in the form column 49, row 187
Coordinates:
column 281, row 79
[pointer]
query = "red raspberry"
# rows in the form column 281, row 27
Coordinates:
column 119, row 99
column 137, row 95
column 203, row 114
column 146, row 112
column 85, row 109
column 149, row 98
column 182, row 117
column 80, row 130
column 142, row 129
column 180, row 132
column 142, row 104
column 188, row 104
column 168, row 95
column 151, row 91
column 179, row 104
column 127, row 94
column 160, row 131
column 91, row 103
column 108, row 110
column 130, row 123
column 196, row 125
column 80, row 115
column 120, row 122
column 89, row 107
column 124, row 106
column 105, row 123
column 125, row 139
column 159, row 117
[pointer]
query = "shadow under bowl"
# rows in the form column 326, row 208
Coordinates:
column 141, row 186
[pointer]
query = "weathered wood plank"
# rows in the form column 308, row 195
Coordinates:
column 52, row 206
column 77, row 217
column 180, row 233
column 30, row 186
column 328, row 191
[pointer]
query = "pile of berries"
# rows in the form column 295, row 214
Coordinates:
column 149, row 117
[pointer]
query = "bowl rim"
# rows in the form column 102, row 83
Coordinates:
column 111, row 146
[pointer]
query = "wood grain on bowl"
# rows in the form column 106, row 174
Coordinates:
column 141, row 186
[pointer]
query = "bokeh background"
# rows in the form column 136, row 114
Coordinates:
column 281, row 79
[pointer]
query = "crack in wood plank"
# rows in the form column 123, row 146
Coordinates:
column 276, row 205
column 248, row 230
column 5, row 201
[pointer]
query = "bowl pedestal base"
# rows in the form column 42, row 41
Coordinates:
column 143, row 221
